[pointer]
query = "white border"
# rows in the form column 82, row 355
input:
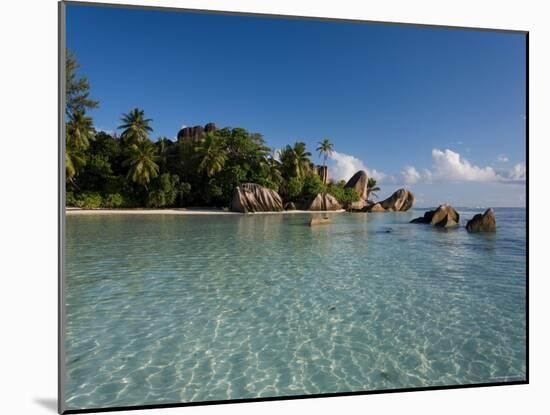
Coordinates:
column 29, row 202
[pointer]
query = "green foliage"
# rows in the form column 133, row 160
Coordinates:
column 325, row 149
column 292, row 188
column 295, row 161
column 141, row 163
column 77, row 89
column 136, row 127
column 70, row 200
column 312, row 186
column 80, row 131
column 74, row 161
column 165, row 154
column 166, row 190
column 211, row 154
column 113, row 200
column 344, row 195
column 88, row 200
column 79, row 127
column 372, row 187
column 103, row 170
column 214, row 194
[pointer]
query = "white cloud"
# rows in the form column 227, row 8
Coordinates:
column 502, row 158
column 343, row 166
column 409, row 175
column 518, row 172
column 449, row 166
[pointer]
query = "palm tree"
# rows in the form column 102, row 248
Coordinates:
column 136, row 127
column 273, row 170
column 211, row 154
column 141, row 162
column 302, row 158
column 372, row 187
column 77, row 89
column 80, row 130
column 325, row 149
column 74, row 160
column 295, row 160
column 163, row 152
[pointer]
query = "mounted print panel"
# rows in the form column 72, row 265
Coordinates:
column 258, row 207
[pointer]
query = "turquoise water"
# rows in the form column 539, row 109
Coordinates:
column 166, row 309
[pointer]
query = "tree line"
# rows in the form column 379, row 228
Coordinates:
column 128, row 169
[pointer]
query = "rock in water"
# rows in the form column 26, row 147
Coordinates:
column 377, row 207
column 324, row 201
column 400, row 201
column 359, row 206
column 485, row 222
column 359, row 182
column 251, row 197
column 444, row 216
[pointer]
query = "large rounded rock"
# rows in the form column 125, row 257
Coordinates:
column 359, row 182
column 400, row 201
column 324, row 201
column 444, row 216
column 251, row 197
column 210, row 127
column 485, row 222
column 196, row 133
column 377, row 207
column 359, row 206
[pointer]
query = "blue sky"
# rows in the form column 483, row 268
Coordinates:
column 440, row 111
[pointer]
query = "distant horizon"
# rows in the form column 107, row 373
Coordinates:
column 438, row 111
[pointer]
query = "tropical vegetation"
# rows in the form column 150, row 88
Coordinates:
column 130, row 169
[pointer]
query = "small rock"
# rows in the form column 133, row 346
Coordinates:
column 485, row 222
column 444, row 216
column 400, row 201
column 324, row 201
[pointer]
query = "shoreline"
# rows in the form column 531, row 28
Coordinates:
column 183, row 211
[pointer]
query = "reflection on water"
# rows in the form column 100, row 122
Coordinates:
column 164, row 309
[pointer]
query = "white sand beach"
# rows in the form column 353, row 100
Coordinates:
column 180, row 211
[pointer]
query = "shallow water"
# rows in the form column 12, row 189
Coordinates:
column 165, row 309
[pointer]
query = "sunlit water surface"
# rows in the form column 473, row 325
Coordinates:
column 166, row 309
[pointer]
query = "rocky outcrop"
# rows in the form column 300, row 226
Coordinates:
column 485, row 222
column 359, row 206
column 377, row 207
column 359, row 182
column 322, row 172
column 324, row 201
column 400, row 201
column 197, row 132
column 444, row 216
column 251, row 197
column 290, row 206
column 210, row 127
